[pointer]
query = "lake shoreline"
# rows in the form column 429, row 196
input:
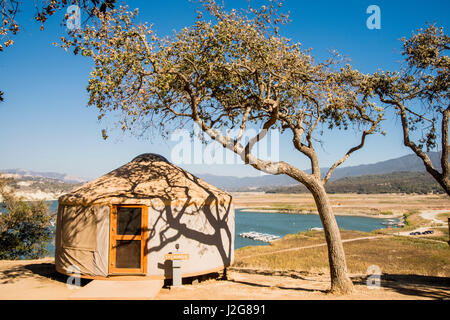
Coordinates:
column 302, row 212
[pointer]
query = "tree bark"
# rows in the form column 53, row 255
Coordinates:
column 443, row 181
column 340, row 281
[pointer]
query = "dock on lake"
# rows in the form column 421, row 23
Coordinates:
column 265, row 237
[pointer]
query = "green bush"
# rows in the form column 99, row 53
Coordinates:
column 25, row 227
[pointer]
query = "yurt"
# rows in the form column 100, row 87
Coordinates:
column 127, row 223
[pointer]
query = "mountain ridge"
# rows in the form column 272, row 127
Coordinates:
column 408, row 163
column 418, row 182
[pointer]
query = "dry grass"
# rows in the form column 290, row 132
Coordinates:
column 443, row 216
column 394, row 255
column 440, row 234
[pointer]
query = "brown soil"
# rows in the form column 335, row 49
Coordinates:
column 37, row 279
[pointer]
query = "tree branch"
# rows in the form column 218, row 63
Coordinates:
column 243, row 124
column 347, row 155
column 410, row 144
column 297, row 132
column 267, row 125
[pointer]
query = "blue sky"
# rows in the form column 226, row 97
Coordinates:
column 46, row 126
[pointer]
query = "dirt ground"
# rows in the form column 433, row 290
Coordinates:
column 37, row 279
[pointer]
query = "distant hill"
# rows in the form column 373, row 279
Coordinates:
column 406, row 163
column 38, row 188
column 231, row 183
column 50, row 175
column 404, row 174
column 394, row 182
column 409, row 163
column 40, row 185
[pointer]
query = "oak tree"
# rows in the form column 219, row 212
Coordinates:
column 419, row 94
column 231, row 70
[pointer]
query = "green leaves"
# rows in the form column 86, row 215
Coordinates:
column 421, row 89
column 427, row 48
column 232, row 69
column 24, row 227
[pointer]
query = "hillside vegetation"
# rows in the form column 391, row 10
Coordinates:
column 392, row 254
column 39, row 188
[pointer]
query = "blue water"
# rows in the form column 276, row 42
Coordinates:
column 52, row 208
column 279, row 224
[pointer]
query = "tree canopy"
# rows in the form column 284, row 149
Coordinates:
column 44, row 9
column 420, row 95
column 25, row 228
column 9, row 27
column 228, row 71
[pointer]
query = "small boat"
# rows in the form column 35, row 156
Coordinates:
column 393, row 223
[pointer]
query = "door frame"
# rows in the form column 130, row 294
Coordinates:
column 113, row 237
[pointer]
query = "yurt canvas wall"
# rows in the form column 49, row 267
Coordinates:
column 82, row 240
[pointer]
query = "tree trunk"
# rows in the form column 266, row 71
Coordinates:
column 445, row 184
column 340, row 281
column 443, row 181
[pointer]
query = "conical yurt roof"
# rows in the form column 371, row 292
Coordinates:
column 148, row 179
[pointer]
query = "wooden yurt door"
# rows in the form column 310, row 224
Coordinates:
column 128, row 237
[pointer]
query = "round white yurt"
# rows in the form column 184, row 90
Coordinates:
column 127, row 222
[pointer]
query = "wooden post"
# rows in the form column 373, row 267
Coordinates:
column 448, row 221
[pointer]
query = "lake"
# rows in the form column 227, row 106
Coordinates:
column 281, row 224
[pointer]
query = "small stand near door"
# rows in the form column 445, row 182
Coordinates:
column 176, row 259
